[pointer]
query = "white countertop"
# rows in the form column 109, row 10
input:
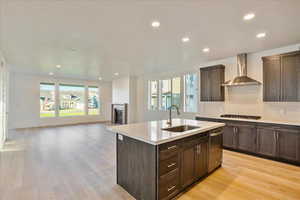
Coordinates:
column 262, row 120
column 151, row 132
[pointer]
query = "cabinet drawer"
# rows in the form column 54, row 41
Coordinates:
column 168, row 165
column 169, row 185
column 168, row 150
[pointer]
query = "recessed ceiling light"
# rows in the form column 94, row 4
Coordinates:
column 185, row 39
column 116, row 74
column 249, row 16
column 58, row 66
column 100, row 78
column 155, row 24
column 261, row 35
column 205, row 50
column 51, row 73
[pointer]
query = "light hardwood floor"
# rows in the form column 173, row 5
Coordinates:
column 78, row 163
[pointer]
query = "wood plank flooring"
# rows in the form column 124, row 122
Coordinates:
column 78, row 163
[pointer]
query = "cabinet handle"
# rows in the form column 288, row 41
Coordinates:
column 171, row 165
column 171, row 188
column 172, row 147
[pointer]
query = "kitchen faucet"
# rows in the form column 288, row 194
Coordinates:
column 170, row 113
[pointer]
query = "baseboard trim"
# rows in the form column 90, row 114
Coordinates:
column 62, row 125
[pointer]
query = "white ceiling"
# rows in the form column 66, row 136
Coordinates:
column 92, row 38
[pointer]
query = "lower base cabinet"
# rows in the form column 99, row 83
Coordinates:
column 274, row 141
column 229, row 135
column 246, row 137
column 266, row 141
column 192, row 154
column 288, row 144
column 161, row 172
column 194, row 163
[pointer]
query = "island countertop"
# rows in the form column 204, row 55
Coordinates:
column 151, row 132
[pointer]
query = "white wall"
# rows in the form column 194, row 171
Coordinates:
column 24, row 102
column 238, row 100
column 124, row 91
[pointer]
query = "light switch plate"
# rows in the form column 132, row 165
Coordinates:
column 120, row 137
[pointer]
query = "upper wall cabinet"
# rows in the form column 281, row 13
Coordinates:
column 211, row 80
column 281, row 74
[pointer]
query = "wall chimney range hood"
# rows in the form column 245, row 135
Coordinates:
column 241, row 79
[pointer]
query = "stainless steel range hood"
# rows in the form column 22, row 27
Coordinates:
column 242, row 78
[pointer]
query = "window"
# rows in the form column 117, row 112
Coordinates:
column 71, row 100
column 166, row 94
column 47, row 100
column 93, row 101
column 190, row 93
column 176, row 98
column 153, row 88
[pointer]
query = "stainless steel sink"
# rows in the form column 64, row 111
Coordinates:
column 182, row 128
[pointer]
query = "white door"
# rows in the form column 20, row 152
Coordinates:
column 3, row 100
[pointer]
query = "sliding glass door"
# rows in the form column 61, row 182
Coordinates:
column 3, row 101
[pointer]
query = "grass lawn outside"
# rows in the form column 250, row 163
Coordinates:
column 66, row 113
column 94, row 111
column 47, row 114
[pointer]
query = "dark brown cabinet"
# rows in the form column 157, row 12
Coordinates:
column 288, row 145
column 279, row 142
column 240, row 136
column 266, row 141
column 281, row 74
column 275, row 141
column 194, row 163
column 201, row 153
column 229, row 136
column 188, row 166
column 211, row 80
column 246, row 137
column 160, row 172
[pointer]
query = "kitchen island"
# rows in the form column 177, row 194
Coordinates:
column 157, row 161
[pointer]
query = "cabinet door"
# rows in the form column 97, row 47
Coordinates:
column 266, row 141
column 205, row 85
column 246, row 137
column 290, row 70
column 288, row 144
column 272, row 78
column 201, row 158
column 187, row 166
column 229, row 139
column 216, row 89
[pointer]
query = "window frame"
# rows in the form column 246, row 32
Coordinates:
column 84, row 99
column 150, row 95
column 159, row 88
column 197, row 90
column 55, row 99
column 87, row 98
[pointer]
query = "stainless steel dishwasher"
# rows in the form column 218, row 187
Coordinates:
column 215, row 156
